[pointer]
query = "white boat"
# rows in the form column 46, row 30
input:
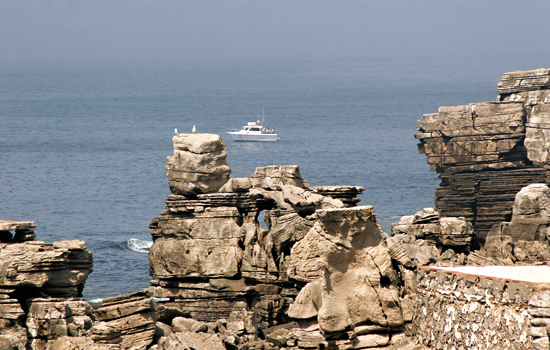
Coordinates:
column 254, row 131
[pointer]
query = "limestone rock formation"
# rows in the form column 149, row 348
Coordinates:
column 198, row 164
column 38, row 285
column 486, row 152
column 526, row 238
column 352, row 280
column 35, row 268
column 54, row 269
column 234, row 279
column 127, row 320
column 51, row 318
column 426, row 228
column 210, row 256
column 194, row 234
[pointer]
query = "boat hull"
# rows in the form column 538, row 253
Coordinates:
column 253, row 137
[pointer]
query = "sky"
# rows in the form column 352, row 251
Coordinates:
column 261, row 29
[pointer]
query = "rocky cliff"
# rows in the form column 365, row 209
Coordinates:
column 487, row 152
column 322, row 275
column 212, row 261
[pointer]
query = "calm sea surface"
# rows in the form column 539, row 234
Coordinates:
column 83, row 145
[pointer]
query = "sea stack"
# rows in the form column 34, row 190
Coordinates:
column 198, row 164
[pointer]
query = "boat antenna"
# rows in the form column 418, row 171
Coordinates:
column 263, row 115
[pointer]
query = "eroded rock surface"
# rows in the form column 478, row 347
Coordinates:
column 212, row 261
column 427, row 229
column 352, row 280
column 198, row 164
column 525, row 239
column 486, row 152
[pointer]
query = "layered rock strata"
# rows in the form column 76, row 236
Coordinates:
column 198, row 164
column 352, row 282
column 39, row 307
column 486, row 152
column 35, row 268
column 213, row 262
column 127, row 320
column 525, row 239
column 39, row 283
column 428, row 229
column 210, row 256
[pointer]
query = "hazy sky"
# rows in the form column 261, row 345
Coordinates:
column 240, row 29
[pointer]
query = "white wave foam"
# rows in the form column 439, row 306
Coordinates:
column 139, row 245
column 96, row 301
column 160, row 300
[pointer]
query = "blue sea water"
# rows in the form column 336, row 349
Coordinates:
column 83, row 145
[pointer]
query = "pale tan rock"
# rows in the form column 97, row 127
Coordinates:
column 171, row 258
column 347, row 248
column 70, row 245
column 128, row 320
column 518, row 81
column 287, row 229
column 10, row 309
column 162, row 330
column 137, row 331
column 196, row 341
column 13, row 338
column 54, row 318
column 274, row 176
column 72, row 343
column 258, row 261
column 364, row 341
column 532, row 203
column 198, row 143
column 198, row 164
column 106, row 332
column 298, row 196
column 428, row 233
column 308, row 302
column 11, row 225
column 530, row 214
column 182, row 324
column 119, row 310
column 59, row 270
column 242, row 184
column 537, row 133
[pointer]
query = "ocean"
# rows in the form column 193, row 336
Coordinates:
column 83, row 144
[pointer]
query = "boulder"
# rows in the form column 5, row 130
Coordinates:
column 351, row 277
column 432, row 230
column 242, row 184
column 59, row 269
column 128, row 320
column 198, row 164
column 274, row 176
